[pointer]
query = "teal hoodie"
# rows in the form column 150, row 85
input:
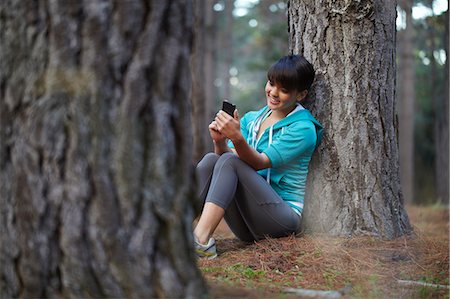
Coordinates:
column 293, row 141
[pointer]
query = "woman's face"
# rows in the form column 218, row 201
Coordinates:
column 280, row 99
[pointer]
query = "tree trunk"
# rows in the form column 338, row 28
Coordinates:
column 354, row 182
column 96, row 150
column 227, row 49
column 441, row 130
column 202, row 62
column 406, row 88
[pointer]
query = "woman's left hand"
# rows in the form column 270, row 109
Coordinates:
column 229, row 126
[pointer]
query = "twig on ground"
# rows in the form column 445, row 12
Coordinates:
column 318, row 293
column 411, row 283
column 314, row 293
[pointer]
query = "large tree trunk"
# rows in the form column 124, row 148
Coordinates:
column 406, row 88
column 96, row 150
column 354, row 182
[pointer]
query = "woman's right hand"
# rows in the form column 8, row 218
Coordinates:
column 214, row 132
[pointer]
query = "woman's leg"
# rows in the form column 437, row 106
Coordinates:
column 208, row 222
column 253, row 209
column 211, row 213
column 203, row 174
column 252, row 217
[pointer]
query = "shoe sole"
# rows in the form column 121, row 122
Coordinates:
column 207, row 255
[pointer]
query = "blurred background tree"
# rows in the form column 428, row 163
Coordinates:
column 259, row 36
column 405, row 99
column 429, row 25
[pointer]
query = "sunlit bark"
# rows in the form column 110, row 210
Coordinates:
column 354, row 181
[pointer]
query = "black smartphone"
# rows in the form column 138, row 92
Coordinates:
column 228, row 107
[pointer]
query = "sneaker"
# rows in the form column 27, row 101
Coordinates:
column 206, row 251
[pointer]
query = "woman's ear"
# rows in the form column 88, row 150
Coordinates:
column 302, row 95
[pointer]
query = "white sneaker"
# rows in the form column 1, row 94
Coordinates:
column 206, row 251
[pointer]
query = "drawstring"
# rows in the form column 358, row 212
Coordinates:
column 255, row 126
column 270, row 142
column 252, row 129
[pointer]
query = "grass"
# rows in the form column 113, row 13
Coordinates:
column 371, row 267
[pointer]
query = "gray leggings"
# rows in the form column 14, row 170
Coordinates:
column 253, row 210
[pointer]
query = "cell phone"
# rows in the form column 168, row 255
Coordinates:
column 228, row 107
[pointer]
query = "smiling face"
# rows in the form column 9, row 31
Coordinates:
column 280, row 99
column 288, row 82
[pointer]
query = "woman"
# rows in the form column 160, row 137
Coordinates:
column 256, row 180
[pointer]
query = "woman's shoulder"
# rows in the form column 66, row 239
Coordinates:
column 305, row 118
column 308, row 125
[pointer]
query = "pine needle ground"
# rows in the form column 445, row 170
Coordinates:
column 367, row 266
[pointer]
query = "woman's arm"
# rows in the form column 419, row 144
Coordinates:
column 249, row 155
column 220, row 147
column 230, row 127
column 219, row 140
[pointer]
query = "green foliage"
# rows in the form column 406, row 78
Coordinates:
column 429, row 292
column 235, row 272
column 331, row 277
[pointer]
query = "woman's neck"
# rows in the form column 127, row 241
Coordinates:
column 280, row 114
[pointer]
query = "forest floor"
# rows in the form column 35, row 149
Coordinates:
column 357, row 267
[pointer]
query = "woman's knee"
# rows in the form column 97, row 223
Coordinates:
column 207, row 162
column 227, row 158
column 228, row 155
column 210, row 156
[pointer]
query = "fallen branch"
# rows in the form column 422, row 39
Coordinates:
column 317, row 293
column 314, row 293
column 411, row 283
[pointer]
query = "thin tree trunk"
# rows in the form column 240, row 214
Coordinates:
column 354, row 181
column 442, row 130
column 210, row 65
column 227, row 48
column 96, row 150
column 406, row 105
column 203, row 76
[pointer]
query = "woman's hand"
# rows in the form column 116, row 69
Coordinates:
column 228, row 126
column 216, row 136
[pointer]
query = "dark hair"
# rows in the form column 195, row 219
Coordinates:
column 292, row 72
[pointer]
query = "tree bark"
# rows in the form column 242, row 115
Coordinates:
column 406, row 104
column 96, row 150
column 354, row 181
